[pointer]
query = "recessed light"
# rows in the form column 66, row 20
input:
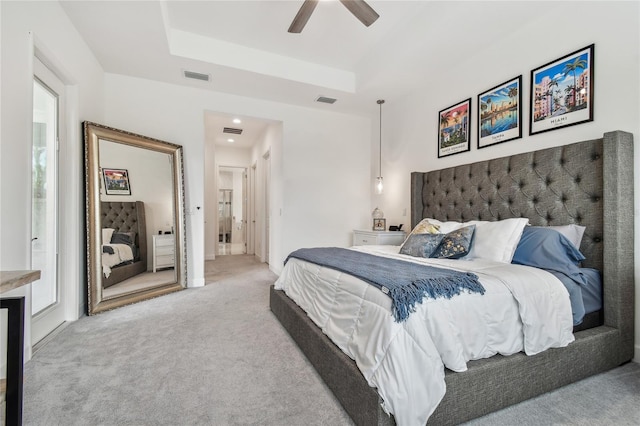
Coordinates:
column 237, row 121
column 230, row 140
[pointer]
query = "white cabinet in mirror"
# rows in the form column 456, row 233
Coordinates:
column 163, row 251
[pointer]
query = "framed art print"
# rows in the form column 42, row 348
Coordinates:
column 562, row 92
column 453, row 132
column 379, row 224
column 116, row 181
column 500, row 113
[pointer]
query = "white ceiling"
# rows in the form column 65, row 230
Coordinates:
column 245, row 46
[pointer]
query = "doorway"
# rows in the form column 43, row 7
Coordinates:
column 232, row 211
column 47, row 304
column 267, row 204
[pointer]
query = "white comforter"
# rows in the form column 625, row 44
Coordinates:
column 121, row 253
column 523, row 309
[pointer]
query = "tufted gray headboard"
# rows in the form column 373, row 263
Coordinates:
column 555, row 186
column 589, row 183
column 127, row 216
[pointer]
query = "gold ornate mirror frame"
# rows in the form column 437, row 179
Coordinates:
column 96, row 188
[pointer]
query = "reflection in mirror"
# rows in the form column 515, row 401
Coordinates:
column 232, row 210
column 135, row 219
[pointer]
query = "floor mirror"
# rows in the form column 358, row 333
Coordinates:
column 134, row 217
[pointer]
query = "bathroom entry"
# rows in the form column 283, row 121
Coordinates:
column 232, row 211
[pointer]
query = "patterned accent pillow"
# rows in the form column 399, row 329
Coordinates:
column 421, row 245
column 425, row 227
column 455, row 244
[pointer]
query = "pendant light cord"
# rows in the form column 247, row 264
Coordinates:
column 380, row 102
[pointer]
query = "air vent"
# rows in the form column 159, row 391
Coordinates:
column 232, row 131
column 196, row 75
column 325, row 100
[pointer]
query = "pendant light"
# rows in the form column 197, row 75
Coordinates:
column 379, row 185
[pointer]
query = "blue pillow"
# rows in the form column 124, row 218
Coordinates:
column 455, row 244
column 421, row 245
column 548, row 249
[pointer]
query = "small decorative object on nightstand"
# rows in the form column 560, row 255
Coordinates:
column 163, row 251
column 382, row 238
column 379, row 223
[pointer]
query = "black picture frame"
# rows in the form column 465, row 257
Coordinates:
column 379, row 224
column 562, row 92
column 500, row 113
column 454, row 125
column 116, row 181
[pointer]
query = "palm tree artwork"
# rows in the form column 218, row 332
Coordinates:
column 444, row 119
column 513, row 93
column 562, row 91
column 572, row 67
column 553, row 83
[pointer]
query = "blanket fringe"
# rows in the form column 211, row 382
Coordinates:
column 405, row 298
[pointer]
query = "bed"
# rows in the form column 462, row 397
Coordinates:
column 588, row 183
column 127, row 219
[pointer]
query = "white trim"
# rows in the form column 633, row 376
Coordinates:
column 199, row 282
column 71, row 200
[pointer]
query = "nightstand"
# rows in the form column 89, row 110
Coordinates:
column 163, row 251
column 382, row 238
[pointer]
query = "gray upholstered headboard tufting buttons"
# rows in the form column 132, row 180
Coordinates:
column 554, row 186
column 588, row 183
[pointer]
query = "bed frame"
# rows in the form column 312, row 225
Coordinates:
column 126, row 216
column 589, row 183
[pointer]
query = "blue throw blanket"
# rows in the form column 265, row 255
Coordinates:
column 406, row 283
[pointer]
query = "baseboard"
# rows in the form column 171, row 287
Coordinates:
column 46, row 339
column 199, row 282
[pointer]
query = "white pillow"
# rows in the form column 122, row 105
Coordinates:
column 573, row 232
column 107, row 233
column 496, row 240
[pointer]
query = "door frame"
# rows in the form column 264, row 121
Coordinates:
column 45, row 321
column 72, row 283
column 266, row 229
column 243, row 207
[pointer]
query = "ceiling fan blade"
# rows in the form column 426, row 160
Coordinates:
column 361, row 10
column 303, row 16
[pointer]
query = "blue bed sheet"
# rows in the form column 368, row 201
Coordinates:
column 585, row 296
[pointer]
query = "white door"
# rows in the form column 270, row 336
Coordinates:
column 251, row 249
column 244, row 211
column 47, row 309
column 267, row 204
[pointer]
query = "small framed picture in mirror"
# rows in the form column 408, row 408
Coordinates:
column 116, row 181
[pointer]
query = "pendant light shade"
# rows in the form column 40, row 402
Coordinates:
column 379, row 184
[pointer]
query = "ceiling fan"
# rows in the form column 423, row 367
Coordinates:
column 359, row 8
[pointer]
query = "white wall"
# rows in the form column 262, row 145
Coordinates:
column 44, row 27
column 411, row 123
column 320, row 164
